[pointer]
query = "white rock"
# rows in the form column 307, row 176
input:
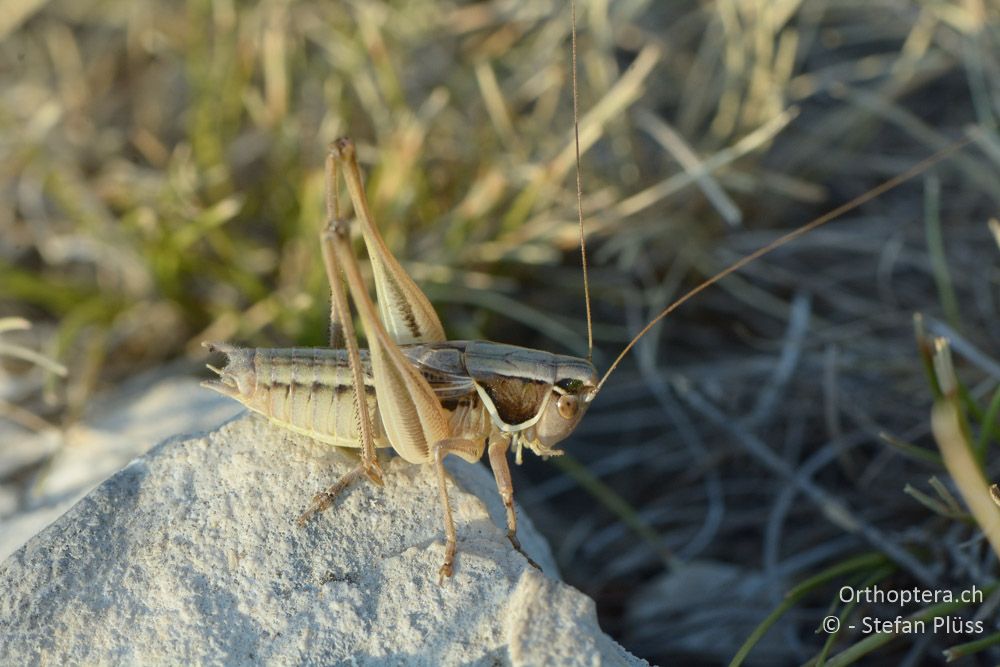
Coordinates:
column 190, row 554
column 117, row 428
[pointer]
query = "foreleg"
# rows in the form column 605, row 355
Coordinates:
column 501, row 473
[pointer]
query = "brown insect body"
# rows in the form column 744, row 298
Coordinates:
column 414, row 391
column 488, row 390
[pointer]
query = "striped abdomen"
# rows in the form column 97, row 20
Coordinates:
column 308, row 390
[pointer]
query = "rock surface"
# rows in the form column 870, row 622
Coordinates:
column 117, row 428
column 190, row 554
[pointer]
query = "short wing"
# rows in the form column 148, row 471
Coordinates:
column 443, row 366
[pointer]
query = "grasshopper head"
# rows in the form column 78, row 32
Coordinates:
column 571, row 394
column 536, row 397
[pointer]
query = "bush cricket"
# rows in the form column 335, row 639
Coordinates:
column 415, row 391
column 424, row 396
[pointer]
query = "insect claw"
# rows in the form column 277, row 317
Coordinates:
column 305, row 516
column 530, row 561
column 445, row 571
column 516, row 543
column 450, row 548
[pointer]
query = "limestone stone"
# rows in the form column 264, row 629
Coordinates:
column 190, row 554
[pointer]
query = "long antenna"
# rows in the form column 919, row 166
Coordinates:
column 877, row 191
column 579, row 194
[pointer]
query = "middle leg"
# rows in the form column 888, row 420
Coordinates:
column 470, row 450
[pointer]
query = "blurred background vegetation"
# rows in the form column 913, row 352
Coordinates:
column 161, row 180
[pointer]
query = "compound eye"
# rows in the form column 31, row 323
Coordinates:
column 567, row 406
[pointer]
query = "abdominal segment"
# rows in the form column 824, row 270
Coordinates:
column 310, row 391
column 307, row 390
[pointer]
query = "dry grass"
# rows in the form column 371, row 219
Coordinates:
column 161, row 165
